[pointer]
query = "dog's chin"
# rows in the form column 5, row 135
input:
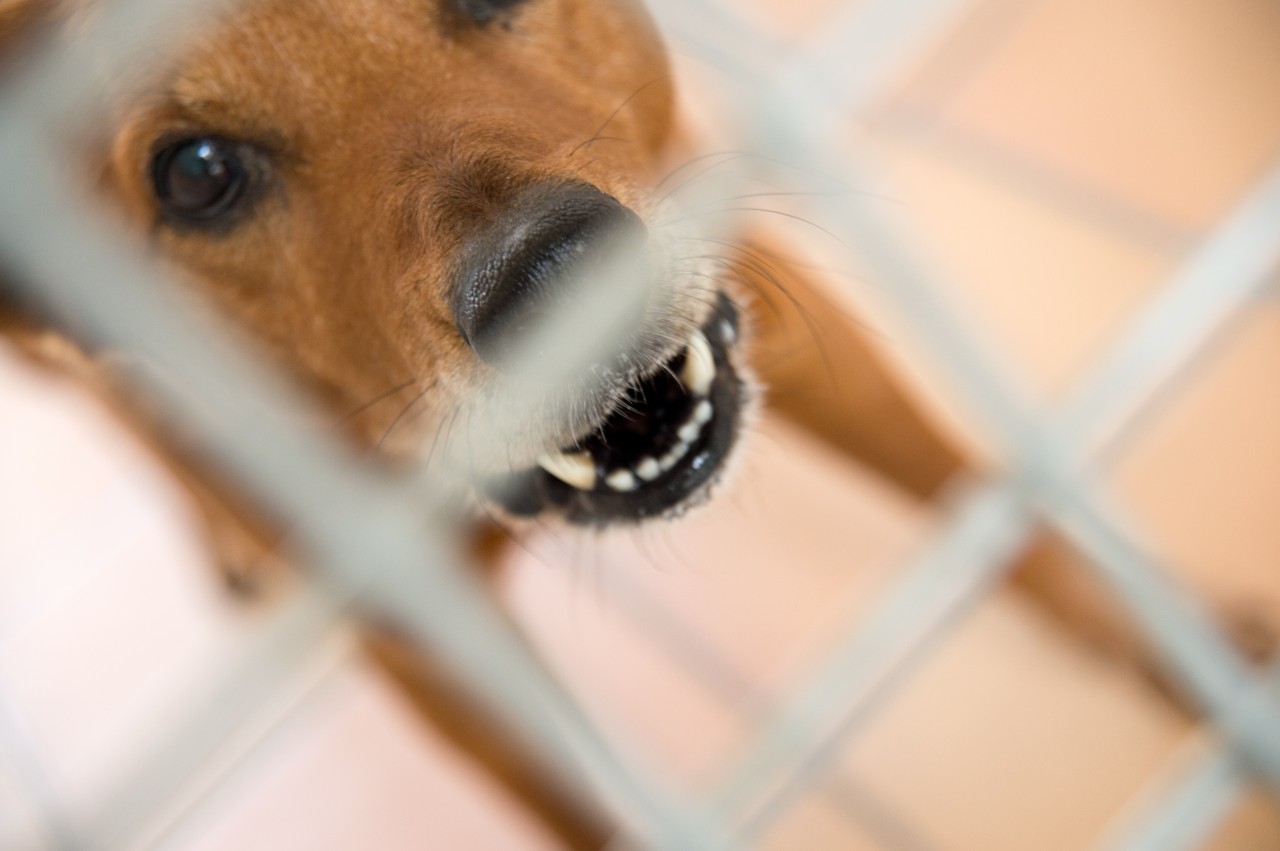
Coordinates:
column 658, row 452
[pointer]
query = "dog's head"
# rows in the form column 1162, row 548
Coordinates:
column 389, row 193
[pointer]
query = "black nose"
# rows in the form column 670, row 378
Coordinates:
column 554, row 240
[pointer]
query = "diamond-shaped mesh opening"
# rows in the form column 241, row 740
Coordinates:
column 821, row 659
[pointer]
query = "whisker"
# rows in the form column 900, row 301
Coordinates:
column 404, row 411
column 729, row 156
column 375, row 400
column 726, row 158
column 595, row 137
column 446, row 427
column 766, row 210
column 506, row 530
column 786, row 259
column 747, row 266
column 814, row 193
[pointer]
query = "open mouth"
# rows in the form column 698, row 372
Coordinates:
column 657, row 453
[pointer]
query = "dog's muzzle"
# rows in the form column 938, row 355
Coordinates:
column 662, row 431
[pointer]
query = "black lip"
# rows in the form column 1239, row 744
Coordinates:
column 535, row 491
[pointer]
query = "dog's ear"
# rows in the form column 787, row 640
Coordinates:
column 24, row 24
column 14, row 14
column 19, row 20
column 18, row 311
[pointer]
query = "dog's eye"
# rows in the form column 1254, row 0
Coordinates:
column 199, row 179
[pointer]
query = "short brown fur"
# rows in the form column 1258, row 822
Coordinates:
column 395, row 130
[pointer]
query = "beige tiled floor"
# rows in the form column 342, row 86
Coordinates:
column 1060, row 158
column 1042, row 280
column 1062, row 171
column 968, row 754
column 1159, row 106
column 675, row 640
column 1200, row 479
column 115, row 628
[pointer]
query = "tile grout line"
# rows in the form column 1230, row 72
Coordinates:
column 916, row 124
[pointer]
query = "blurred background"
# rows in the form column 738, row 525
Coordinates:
column 1059, row 159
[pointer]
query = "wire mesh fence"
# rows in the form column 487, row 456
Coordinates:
column 389, row 548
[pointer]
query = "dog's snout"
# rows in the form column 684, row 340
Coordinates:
column 553, row 245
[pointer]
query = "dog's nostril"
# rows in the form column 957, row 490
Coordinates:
column 547, row 254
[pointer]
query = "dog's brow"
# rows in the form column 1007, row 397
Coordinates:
column 210, row 98
column 211, row 114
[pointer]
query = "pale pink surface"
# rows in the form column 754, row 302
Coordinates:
column 114, row 622
column 1059, row 161
column 355, row 769
column 759, row 585
column 970, row 752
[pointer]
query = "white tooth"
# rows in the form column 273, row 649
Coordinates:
column 703, row 412
column 674, row 454
column 621, row 480
column 726, row 331
column 648, row 469
column 689, row 431
column 699, row 368
column 578, row 469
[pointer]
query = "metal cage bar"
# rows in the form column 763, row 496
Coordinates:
column 365, row 535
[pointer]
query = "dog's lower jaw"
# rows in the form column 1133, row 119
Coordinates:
column 658, row 453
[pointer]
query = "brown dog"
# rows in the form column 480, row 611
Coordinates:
column 493, row 154
column 385, row 193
